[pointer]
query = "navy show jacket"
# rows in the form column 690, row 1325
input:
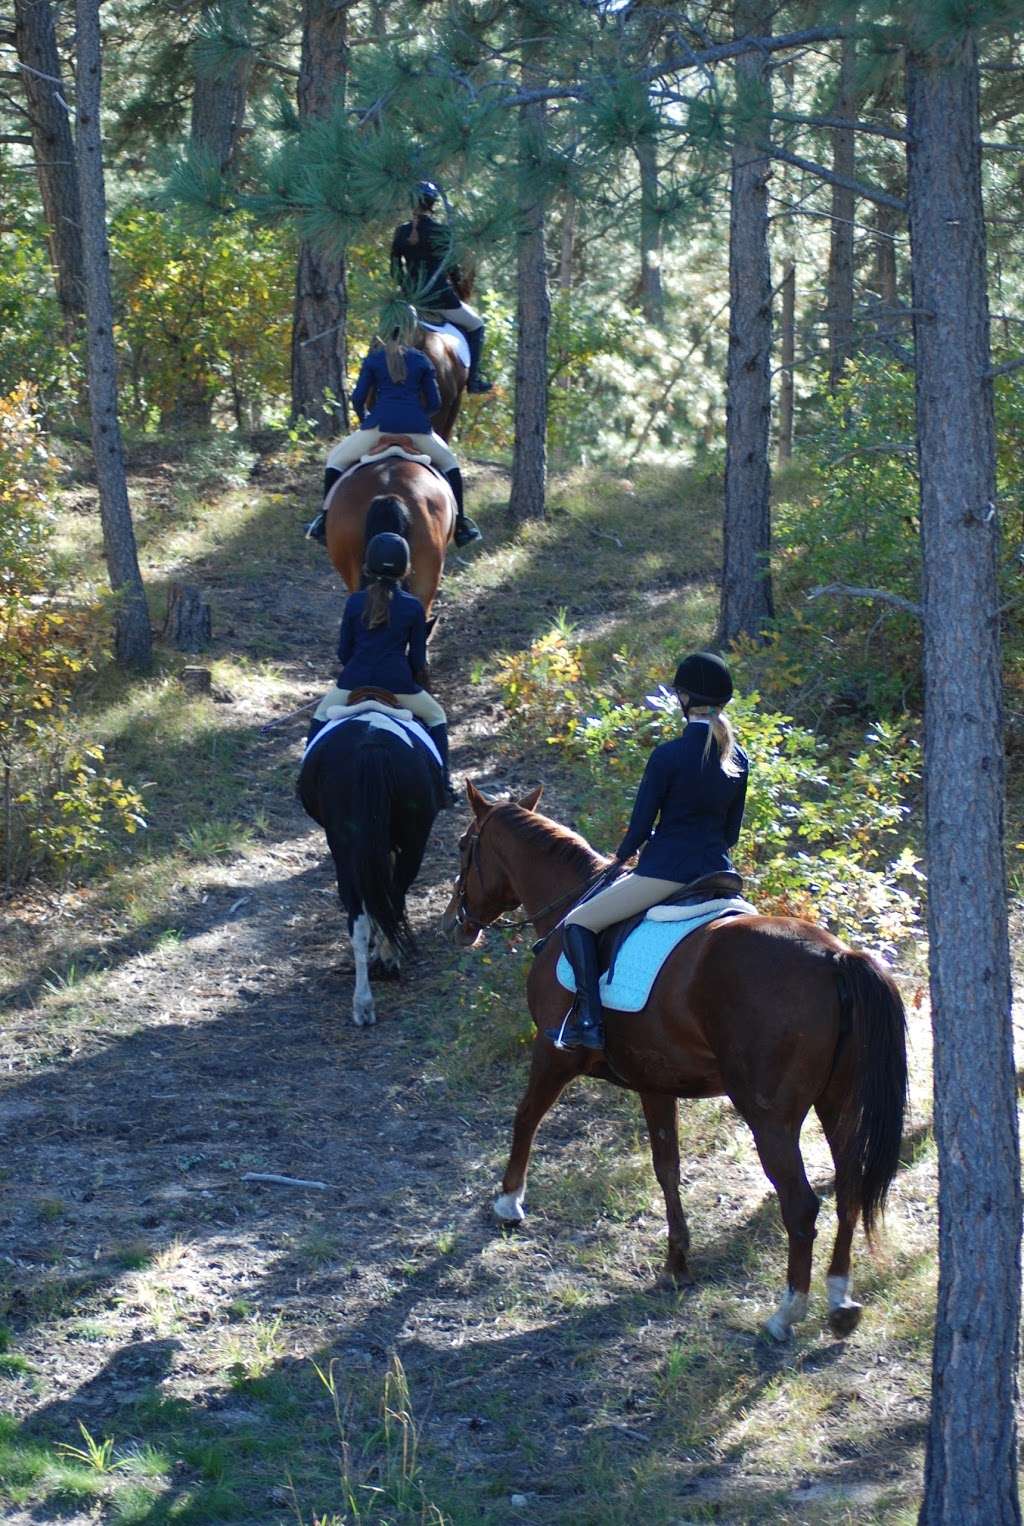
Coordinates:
column 388, row 655
column 399, row 407
column 698, row 809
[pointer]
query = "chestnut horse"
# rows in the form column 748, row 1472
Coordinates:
column 428, row 500
column 773, row 1012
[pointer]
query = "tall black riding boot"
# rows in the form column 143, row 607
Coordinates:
column 475, row 340
column 317, row 528
column 584, row 1027
column 465, row 530
column 439, row 737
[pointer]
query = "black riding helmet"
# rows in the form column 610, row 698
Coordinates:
column 704, row 678
column 426, row 191
column 387, row 556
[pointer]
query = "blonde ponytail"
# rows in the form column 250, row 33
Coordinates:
column 395, row 353
column 719, row 727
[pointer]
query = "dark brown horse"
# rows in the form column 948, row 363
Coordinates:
column 428, row 500
column 773, row 1012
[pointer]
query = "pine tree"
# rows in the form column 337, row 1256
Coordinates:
column 132, row 635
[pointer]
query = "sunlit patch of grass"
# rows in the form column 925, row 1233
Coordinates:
column 253, row 1349
column 165, row 1289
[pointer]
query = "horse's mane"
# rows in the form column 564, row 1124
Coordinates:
column 550, row 837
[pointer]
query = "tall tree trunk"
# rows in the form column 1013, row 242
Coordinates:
column 886, row 221
column 840, row 260
column 54, row 150
column 132, row 636
column 533, row 306
column 219, row 95
column 319, row 326
column 787, row 383
column 746, row 604
column 652, row 295
column 565, row 261
column 970, row 1474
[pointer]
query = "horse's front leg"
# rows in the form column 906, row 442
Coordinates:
column 778, row 1145
column 363, row 1010
column 662, row 1116
column 551, row 1070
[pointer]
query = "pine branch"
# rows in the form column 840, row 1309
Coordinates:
column 882, row 595
column 828, row 121
column 1005, row 370
column 859, row 187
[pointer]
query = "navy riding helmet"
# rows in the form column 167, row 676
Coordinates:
column 387, row 556
column 704, row 678
column 426, row 191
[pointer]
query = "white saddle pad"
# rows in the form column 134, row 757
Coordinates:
column 401, row 723
column 451, row 331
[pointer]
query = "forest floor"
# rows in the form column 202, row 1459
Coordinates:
column 378, row 1351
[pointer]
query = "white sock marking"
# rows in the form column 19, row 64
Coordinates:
column 838, row 1292
column 509, row 1208
column 792, row 1308
column 362, row 999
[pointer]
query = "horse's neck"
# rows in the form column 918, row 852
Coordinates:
column 546, row 886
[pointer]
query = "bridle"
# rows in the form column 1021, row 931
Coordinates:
column 464, row 920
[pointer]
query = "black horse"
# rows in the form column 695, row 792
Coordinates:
column 375, row 787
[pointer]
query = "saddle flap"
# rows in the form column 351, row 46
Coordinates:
column 370, row 691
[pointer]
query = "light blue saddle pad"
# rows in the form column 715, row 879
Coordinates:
column 641, row 957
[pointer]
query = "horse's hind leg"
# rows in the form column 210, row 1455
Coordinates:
column 779, row 1148
column 843, row 1311
column 551, row 1070
column 662, row 1116
column 363, row 1010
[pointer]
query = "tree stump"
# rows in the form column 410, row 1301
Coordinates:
column 196, row 680
column 188, row 625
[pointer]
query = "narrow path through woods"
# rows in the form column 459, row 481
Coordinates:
column 157, row 1295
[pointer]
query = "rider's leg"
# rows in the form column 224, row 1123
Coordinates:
column 426, row 708
column 627, row 896
column 346, row 453
column 472, row 325
column 441, row 453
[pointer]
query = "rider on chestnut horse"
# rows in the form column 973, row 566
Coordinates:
column 406, row 394
column 695, row 786
column 383, row 644
column 422, row 264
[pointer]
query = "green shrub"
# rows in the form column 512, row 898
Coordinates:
column 58, row 805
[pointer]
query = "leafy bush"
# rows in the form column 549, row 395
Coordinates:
column 854, row 520
column 59, row 805
column 203, row 319
column 824, row 834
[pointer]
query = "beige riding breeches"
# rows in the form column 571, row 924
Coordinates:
column 464, row 317
column 423, row 706
column 627, row 896
column 352, row 449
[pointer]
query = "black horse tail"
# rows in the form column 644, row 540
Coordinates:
column 377, row 784
column 876, row 1023
column 387, row 515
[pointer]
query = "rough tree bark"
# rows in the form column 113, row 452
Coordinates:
column 746, row 604
column 219, row 95
column 319, row 326
column 54, row 150
column 652, row 295
column 970, row 1474
column 533, row 305
column 844, row 202
column 787, row 382
column 132, row 636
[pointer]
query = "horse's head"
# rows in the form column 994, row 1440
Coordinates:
column 483, row 889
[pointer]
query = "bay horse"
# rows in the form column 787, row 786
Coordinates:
column 376, row 795
column 428, row 499
column 773, row 1012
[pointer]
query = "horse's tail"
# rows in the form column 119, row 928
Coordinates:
column 387, row 515
column 377, row 784
column 873, row 1014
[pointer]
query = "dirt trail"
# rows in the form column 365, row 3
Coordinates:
column 145, row 1270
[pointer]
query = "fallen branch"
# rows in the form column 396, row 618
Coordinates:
column 846, row 590
column 292, row 715
column 287, row 1181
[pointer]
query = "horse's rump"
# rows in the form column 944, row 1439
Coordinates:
column 428, row 506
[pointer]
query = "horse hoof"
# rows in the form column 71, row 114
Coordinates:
column 844, row 1319
column 778, row 1331
column 364, row 1016
column 508, row 1209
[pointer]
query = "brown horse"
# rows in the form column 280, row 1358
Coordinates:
column 427, row 499
column 773, row 1012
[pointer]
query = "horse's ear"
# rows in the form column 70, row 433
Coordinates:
column 529, row 801
column 478, row 801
